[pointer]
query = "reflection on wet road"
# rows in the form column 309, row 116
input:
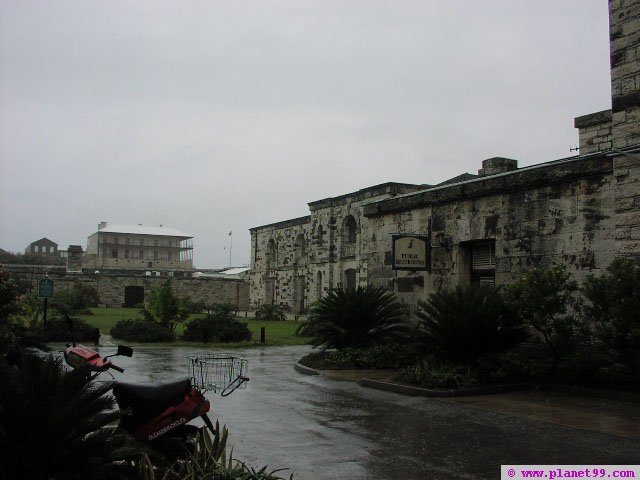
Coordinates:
column 324, row 429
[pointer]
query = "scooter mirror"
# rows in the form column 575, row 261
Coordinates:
column 125, row 351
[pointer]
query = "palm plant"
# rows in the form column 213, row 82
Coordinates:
column 466, row 323
column 54, row 424
column 270, row 312
column 355, row 317
column 166, row 308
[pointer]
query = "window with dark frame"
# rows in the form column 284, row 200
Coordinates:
column 483, row 263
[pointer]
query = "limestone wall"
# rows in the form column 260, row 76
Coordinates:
column 594, row 132
column 315, row 253
column 625, row 105
column 537, row 217
column 111, row 288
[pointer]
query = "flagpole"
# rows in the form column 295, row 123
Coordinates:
column 230, row 246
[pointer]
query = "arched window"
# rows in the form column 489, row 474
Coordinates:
column 299, row 249
column 349, row 237
column 319, row 236
column 272, row 254
column 349, row 230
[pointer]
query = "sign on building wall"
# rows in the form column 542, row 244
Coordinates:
column 411, row 252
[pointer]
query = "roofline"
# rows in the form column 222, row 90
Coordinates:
column 284, row 223
column 366, row 190
column 566, row 168
column 185, row 236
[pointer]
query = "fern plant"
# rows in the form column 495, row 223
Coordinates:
column 208, row 462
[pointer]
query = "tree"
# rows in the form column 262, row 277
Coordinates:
column 76, row 299
column 355, row 317
column 543, row 298
column 166, row 308
column 9, row 306
column 613, row 305
column 467, row 323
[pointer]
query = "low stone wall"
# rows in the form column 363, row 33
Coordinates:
column 111, row 287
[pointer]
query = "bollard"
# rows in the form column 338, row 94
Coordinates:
column 263, row 336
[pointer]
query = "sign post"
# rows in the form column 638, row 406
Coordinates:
column 411, row 252
column 45, row 290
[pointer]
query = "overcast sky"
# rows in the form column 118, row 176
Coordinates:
column 216, row 116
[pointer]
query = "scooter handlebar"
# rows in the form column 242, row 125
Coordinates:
column 116, row 368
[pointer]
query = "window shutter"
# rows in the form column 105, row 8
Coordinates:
column 483, row 257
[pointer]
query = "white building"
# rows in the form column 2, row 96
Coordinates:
column 139, row 247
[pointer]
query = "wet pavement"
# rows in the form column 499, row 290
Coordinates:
column 327, row 429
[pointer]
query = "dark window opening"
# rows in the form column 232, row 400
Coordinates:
column 483, row 263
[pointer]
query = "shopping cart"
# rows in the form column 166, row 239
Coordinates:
column 218, row 372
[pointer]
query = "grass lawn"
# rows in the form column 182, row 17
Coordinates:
column 277, row 333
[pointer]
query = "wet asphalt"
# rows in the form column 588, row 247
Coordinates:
column 326, row 429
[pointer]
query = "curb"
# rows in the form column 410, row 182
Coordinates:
column 305, row 370
column 617, row 395
column 424, row 392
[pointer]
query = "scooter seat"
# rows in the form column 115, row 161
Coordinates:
column 149, row 400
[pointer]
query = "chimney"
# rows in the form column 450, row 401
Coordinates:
column 102, row 225
column 495, row 165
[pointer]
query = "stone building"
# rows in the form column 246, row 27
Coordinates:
column 139, row 247
column 580, row 211
column 44, row 246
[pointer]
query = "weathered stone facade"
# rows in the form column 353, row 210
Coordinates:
column 624, row 18
column 580, row 211
column 295, row 262
column 594, row 132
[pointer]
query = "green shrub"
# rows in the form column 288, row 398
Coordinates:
column 75, row 300
column 358, row 317
column 389, row 356
column 466, row 323
column 505, row 368
column 143, row 331
column 9, row 306
column 543, row 299
column 216, row 329
column 270, row 312
column 57, row 330
column 432, row 372
column 613, row 305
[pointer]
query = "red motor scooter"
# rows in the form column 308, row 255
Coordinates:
column 158, row 414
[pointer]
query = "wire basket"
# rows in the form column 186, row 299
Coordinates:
column 218, row 372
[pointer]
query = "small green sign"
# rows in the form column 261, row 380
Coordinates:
column 45, row 289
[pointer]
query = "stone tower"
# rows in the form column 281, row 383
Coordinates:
column 624, row 31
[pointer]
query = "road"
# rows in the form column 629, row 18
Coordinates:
column 324, row 429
